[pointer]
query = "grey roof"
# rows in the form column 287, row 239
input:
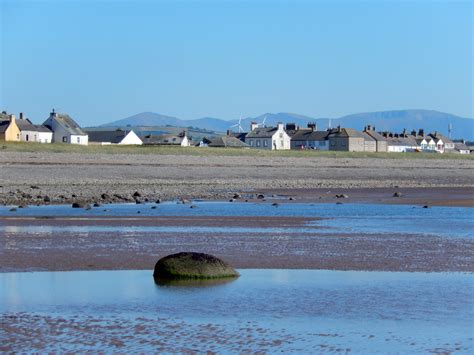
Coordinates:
column 225, row 141
column 461, row 146
column 345, row 133
column 107, row 136
column 27, row 125
column 310, row 135
column 262, row 132
column 164, row 139
column 4, row 125
column 69, row 124
column 367, row 137
column 408, row 141
column 375, row 135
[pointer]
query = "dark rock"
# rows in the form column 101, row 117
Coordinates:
column 13, row 209
column 146, row 200
column 275, row 204
column 138, row 212
column 426, row 206
column 192, row 206
column 291, row 198
column 158, row 201
column 105, row 197
column 190, row 265
column 96, row 204
column 342, row 196
column 34, row 187
column 136, row 194
column 237, row 196
column 46, row 199
column 397, row 194
column 338, row 203
column 232, row 200
column 81, row 205
column 73, row 196
column 153, row 207
column 22, row 206
column 260, row 196
column 138, row 202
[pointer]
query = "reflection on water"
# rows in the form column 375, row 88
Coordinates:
column 291, row 309
column 366, row 218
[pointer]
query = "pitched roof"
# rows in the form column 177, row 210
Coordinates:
column 346, row 133
column 107, row 136
column 225, row 141
column 4, row 125
column 437, row 136
column 262, row 132
column 375, row 135
column 164, row 139
column 69, row 124
column 27, row 125
column 309, row 135
column 461, row 146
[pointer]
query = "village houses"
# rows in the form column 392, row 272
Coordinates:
column 65, row 129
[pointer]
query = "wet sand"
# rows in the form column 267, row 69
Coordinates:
column 307, row 248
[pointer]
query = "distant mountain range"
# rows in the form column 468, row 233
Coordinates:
column 394, row 121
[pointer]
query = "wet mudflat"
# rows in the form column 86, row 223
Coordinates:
column 248, row 235
column 263, row 310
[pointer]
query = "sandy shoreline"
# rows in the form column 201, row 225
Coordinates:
column 61, row 178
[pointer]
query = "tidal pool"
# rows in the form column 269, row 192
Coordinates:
column 263, row 310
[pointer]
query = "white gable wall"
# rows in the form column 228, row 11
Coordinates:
column 131, row 138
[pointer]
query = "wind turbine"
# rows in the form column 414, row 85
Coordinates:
column 238, row 124
column 263, row 122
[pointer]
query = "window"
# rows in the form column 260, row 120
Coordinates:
column 251, row 143
column 78, row 139
column 265, row 143
column 27, row 136
column 321, row 143
column 64, row 139
column 281, row 135
column 258, row 142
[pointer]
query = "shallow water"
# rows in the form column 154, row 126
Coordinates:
column 272, row 310
column 344, row 218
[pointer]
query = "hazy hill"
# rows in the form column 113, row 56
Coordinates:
column 394, row 121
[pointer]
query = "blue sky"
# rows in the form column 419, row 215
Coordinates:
column 105, row 60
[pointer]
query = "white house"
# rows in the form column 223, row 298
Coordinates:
column 30, row 132
column 65, row 129
column 271, row 138
column 118, row 136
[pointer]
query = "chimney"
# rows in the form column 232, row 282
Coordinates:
column 421, row 132
column 368, row 128
column 12, row 118
column 292, row 127
column 253, row 125
column 312, row 126
column 53, row 113
column 404, row 132
column 413, row 133
column 21, row 115
column 280, row 126
column 229, row 132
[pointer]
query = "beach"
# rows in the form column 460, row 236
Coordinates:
column 63, row 178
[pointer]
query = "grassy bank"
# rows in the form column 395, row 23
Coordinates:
column 164, row 150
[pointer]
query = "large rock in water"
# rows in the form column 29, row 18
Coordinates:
column 189, row 265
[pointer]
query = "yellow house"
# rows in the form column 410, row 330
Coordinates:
column 9, row 130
